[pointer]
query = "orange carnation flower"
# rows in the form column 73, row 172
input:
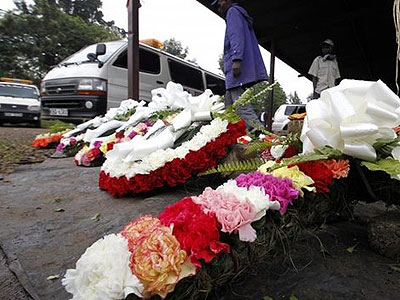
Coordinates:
column 134, row 229
column 340, row 168
column 159, row 262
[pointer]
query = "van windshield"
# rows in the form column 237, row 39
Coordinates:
column 81, row 56
column 18, row 91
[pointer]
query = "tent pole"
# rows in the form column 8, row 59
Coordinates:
column 133, row 49
column 269, row 103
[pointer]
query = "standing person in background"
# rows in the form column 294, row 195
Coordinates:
column 243, row 63
column 324, row 69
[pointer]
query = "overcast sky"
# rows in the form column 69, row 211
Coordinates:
column 196, row 27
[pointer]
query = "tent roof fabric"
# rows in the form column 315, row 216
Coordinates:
column 363, row 32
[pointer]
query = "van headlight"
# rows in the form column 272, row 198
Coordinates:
column 42, row 89
column 34, row 107
column 92, row 86
column 89, row 104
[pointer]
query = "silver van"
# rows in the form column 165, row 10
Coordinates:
column 90, row 81
column 281, row 117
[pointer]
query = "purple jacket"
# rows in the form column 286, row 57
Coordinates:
column 241, row 43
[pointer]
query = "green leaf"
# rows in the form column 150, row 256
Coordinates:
column 329, row 151
column 59, row 209
column 268, row 298
column 266, row 132
column 53, row 277
column 57, row 200
column 299, row 159
column 96, row 217
column 125, row 116
column 187, row 135
column 293, row 297
column 258, row 146
column 388, row 165
column 251, row 95
column 351, row 249
column 237, row 166
column 381, row 142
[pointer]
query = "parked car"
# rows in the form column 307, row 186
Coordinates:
column 281, row 117
column 19, row 103
column 95, row 79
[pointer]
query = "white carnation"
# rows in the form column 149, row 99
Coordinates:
column 278, row 151
column 117, row 168
column 103, row 272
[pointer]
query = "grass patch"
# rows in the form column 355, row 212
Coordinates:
column 56, row 125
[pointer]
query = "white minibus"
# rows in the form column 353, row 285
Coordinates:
column 95, row 78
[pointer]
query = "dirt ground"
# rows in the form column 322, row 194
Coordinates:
column 47, row 220
column 16, row 147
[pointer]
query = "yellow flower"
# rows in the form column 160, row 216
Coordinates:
column 159, row 262
column 265, row 167
column 299, row 179
column 103, row 147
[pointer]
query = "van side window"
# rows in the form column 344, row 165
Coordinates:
column 149, row 62
column 185, row 75
column 215, row 84
column 290, row 110
column 301, row 109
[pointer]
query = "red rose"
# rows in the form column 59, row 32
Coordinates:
column 197, row 232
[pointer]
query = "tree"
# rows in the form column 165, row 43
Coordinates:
column 36, row 37
column 175, row 47
column 294, row 98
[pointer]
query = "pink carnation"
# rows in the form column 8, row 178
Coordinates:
column 279, row 189
column 60, row 147
column 232, row 213
column 97, row 144
column 132, row 135
column 85, row 160
column 142, row 127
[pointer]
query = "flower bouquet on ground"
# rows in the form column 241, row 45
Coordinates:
column 70, row 146
column 47, row 140
column 199, row 244
column 73, row 141
column 169, row 154
column 94, row 154
column 194, row 247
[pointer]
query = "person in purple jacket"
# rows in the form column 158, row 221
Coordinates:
column 243, row 63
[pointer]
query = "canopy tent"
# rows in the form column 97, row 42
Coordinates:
column 363, row 32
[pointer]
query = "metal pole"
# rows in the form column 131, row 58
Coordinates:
column 133, row 49
column 269, row 106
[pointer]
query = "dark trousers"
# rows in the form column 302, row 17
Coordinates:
column 247, row 113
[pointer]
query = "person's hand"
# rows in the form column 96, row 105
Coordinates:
column 236, row 68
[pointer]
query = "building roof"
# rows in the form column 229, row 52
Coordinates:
column 363, row 32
